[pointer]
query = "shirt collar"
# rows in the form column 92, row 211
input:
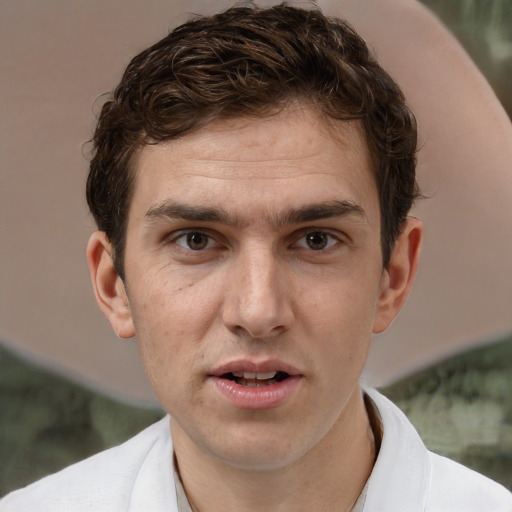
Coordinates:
column 400, row 478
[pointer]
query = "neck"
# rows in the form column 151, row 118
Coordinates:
column 328, row 477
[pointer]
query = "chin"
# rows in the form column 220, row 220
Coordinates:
column 257, row 450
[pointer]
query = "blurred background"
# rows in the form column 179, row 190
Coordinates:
column 485, row 30
column 54, row 412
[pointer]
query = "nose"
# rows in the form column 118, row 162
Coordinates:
column 258, row 299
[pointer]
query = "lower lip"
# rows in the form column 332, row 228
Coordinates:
column 257, row 398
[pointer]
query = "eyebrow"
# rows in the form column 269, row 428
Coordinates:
column 174, row 210
column 317, row 211
column 306, row 213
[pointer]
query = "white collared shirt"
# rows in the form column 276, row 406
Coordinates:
column 137, row 476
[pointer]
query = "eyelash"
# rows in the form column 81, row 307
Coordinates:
column 332, row 240
column 186, row 236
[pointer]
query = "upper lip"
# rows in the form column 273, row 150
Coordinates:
column 247, row 365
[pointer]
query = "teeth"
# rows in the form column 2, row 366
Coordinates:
column 253, row 375
column 265, row 376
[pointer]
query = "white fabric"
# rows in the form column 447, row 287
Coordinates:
column 409, row 478
column 138, row 477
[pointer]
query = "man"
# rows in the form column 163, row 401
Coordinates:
column 251, row 182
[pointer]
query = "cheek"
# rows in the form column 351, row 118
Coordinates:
column 171, row 321
column 172, row 305
column 340, row 318
column 344, row 303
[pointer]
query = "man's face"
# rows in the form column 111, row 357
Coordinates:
column 253, row 274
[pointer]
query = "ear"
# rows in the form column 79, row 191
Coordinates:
column 399, row 275
column 108, row 287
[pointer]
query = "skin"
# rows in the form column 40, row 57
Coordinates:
column 247, row 285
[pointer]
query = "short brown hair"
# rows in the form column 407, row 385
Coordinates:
column 251, row 61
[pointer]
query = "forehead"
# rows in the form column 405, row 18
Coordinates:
column 295, row 155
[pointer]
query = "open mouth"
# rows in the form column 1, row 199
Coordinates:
column 253, row 379
column 257, row 386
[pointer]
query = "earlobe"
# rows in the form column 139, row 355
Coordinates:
column 399, row 276
column 108, row 287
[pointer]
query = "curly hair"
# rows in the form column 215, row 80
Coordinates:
column 250, row 61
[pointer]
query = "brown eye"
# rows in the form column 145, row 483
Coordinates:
column 197, row 241
column 317, row 240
